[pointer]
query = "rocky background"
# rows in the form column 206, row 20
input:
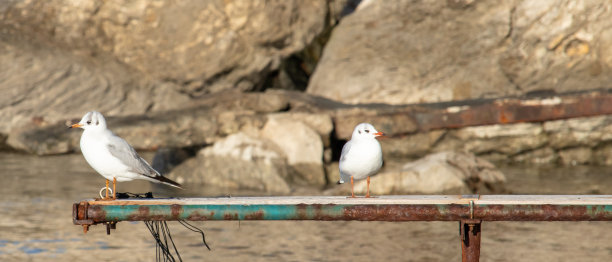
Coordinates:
column 262, row 94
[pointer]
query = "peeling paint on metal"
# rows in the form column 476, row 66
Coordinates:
column 363, row 212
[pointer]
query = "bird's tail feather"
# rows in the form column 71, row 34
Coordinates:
column 167, row 181
column 342, row 178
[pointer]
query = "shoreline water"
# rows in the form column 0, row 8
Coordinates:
column 38, row 193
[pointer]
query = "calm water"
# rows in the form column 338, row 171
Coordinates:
column 36, row 224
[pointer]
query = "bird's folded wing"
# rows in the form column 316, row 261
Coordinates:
column 120, row 149
column 345, row 150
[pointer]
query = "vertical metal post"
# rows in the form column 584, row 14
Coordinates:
column 470, row 239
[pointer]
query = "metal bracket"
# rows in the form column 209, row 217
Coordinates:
column 79, row 216
column 471, row 209
column 471, row 199
column 109, row 226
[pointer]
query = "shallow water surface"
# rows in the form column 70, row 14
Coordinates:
column 36, row 224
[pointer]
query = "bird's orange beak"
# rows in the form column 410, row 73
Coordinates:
column 379, row 134
column 76, row 125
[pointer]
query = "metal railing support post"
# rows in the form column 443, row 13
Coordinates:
column 470, row 239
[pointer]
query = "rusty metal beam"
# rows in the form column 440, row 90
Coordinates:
column 383, row 208
column 514, row 110
column 456, row 114
column 469, row 210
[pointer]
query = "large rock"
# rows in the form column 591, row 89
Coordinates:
column 207, row 45
column 582, row 140
column 401, row 52
column 52, row 85
column 59, row 59
column 504, row 139
column 318, row 122
column 444, row 172
column 300, row 144
column 238, row 161
column 585, row 131
column 411, row 146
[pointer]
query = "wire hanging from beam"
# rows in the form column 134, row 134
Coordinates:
column 161, row 233
column 195, row 229
column 164, row 244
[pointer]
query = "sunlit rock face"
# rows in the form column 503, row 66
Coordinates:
column 62, row 58
column 400, row 52
column 239, row 161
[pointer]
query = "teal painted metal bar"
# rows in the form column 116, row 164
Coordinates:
column 470, row 210
column 213, row 212
column 384, row 208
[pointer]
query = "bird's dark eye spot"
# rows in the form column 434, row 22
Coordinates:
column 97, row 122
column 88, row 122
column 359, row 131
column 367, row 131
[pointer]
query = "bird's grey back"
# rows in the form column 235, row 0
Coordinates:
column 120, row 149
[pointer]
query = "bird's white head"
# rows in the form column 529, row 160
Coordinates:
column 91, row 120
column 365, row 130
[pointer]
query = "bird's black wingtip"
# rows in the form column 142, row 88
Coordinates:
column 169, row 182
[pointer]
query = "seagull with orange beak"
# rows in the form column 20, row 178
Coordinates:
column 361, row 156
column 112, row 156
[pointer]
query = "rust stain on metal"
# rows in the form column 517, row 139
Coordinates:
column 404, row 212
column 142, row 214
column 541, row 213
column 257, row 215
column 315, row 212
column 230, row 216
column 197, row 216
column 82, row 211
column 320, row 214
column 176, row 210
column 79, row 212
column 96, row 213
column 502, row 118
column 79, row 216
column 301, row 212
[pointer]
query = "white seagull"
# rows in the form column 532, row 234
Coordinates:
column 112, row 156
column 361, row 156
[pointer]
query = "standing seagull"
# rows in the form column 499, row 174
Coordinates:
column 112, row 156
column 361, row 156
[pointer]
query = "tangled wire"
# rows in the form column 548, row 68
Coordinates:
column 165, row 249
column 164, row 242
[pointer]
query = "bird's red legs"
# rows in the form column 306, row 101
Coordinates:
column 106, row 197
column 115, row 191
column 368, row 192
column 352, row 192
